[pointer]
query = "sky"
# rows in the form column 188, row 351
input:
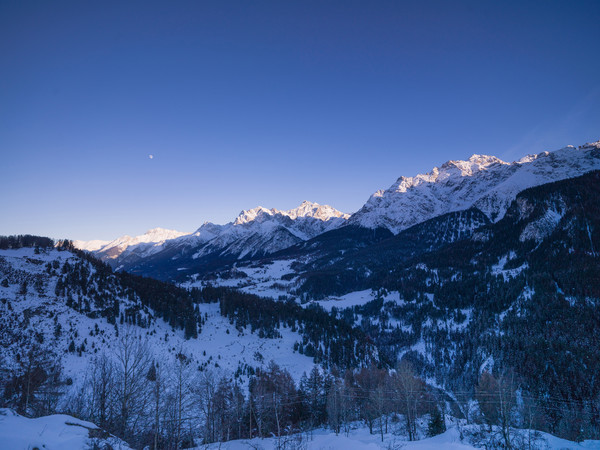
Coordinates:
column 272, row 102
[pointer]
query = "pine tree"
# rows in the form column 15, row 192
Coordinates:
column 437, row 424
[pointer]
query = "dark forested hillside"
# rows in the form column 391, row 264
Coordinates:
column 337, row 272
column 521, row 295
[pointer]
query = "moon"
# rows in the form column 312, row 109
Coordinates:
column 151, row 156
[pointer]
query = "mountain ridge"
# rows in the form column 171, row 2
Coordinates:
column 484, row 182
column 254, row 232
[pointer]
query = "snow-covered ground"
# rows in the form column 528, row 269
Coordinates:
column 63, row 432
column 262, row 279
column 357, row 439
column 498, row 269
column 356, row 298
column 56, row 432
column 265, row 280
column 219, row 344
column 360, row 439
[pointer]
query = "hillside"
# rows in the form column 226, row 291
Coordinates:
column 67, row 318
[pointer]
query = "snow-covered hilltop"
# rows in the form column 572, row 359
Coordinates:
column 484, row 182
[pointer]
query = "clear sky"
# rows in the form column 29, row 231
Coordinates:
column 270, row 103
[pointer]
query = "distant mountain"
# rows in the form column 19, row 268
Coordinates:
column 483, row 182
column 262, row 231
column 457, row 198
column 254, row 233
column 90, row 246
column 129, row 249
column 425, row 213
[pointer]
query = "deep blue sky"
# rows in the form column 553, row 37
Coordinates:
column 270, row 103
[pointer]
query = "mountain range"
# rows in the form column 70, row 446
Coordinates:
column 484, row 183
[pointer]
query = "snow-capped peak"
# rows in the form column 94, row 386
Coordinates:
column 450, row 169
column 316, row 211
column 592, row 144
column 160, row 234
column 112, row 249
column 474, row 164
column 263, row 231
column 250, row 215
column 306, row 209
column 155, row 235
column 482, row 181
column 90, row 246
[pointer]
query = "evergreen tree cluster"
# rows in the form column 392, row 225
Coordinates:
column 25, row 240
column 325, row 337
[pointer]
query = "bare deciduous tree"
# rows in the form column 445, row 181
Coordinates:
column 132, row 362
column 497, row 402
column 408, row 396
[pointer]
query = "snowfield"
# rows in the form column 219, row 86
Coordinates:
column 360, row 439
column 263, row 279
column 63, row 432
column 56, row 432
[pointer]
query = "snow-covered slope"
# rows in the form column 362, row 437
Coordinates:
column 483, row 182
column 55, row 432
column 90, row 246
column 38, row 310
column 359, row 438
column 127, row 247
column 63, row 432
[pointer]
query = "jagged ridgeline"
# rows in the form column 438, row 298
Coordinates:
column 90, row 287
